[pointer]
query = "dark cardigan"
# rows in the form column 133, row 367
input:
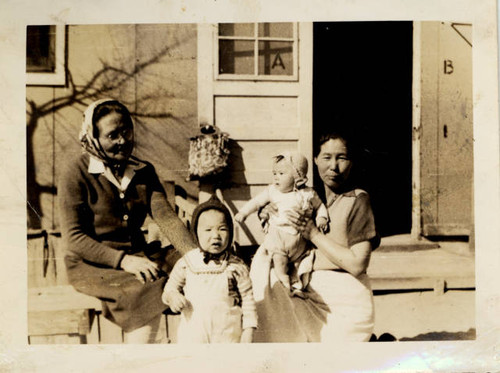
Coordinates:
column 101, row 227
column 100, row 224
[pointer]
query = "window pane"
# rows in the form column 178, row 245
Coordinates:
column 236, row 57
column 236, row 29
column 40, row 49
column 275, row 58
column 281, row 30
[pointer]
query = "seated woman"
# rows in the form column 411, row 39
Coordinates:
column 104, row 197
column 339, row 306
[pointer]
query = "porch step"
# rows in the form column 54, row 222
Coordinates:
column 405, row 242
column 432, row 268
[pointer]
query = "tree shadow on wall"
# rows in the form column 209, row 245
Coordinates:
column 106, row 82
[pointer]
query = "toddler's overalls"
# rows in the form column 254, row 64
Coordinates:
column 212, row 316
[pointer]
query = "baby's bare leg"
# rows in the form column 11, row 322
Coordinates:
column 280, row 264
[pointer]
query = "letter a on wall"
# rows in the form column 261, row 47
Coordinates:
column 278, row 61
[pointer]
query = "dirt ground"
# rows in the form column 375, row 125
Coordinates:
column 424, row 315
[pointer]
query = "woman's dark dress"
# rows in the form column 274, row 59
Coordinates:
column 101, row 223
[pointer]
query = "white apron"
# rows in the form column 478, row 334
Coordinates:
column 211, row 316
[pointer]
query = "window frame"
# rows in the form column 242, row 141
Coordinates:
column 58, row 76
column 256, row 39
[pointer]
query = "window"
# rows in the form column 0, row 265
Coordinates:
column 45, row 55
column 257, row 51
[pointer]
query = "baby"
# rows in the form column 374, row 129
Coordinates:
column 210, row 286
column 282, row 241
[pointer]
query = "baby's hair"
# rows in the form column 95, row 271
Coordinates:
column 278, row 158
column 110, row 107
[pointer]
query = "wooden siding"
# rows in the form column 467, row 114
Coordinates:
column 151, row 68
column 446, row 147
column 262, row 117
column 238, row 113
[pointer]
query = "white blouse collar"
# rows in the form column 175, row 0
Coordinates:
column 96, row 166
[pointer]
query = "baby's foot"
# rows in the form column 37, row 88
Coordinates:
column 298, row 293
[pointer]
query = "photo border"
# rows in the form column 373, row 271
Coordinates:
column 479, row 355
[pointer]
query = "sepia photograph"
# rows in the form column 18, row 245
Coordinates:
column 292, row 184
column 378, row 114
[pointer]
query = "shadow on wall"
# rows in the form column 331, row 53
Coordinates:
column 108, row 81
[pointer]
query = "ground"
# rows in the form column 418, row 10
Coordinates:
column 424, row 315
column 423, row 290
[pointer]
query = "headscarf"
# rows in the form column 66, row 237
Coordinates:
column 212, row 204
column 90, row 143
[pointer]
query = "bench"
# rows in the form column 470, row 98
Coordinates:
column 57, row 313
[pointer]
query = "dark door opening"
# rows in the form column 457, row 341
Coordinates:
column 362, row 78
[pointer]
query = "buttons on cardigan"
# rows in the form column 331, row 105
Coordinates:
column 125, row 216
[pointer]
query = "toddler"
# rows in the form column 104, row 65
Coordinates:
column 210, row 286
column 286, row 245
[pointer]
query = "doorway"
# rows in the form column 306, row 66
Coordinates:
column 362, row 79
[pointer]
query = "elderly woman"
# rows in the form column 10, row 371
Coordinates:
column 339, row 304
column 104, row 197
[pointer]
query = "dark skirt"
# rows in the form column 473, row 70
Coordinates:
column 125, row 300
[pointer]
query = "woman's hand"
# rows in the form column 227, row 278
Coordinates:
column 298, row 219
column 265, row 213
column 309, row 230
column 176, row 301
column 247, row 335
column 143, row 268
column 322, row 224
column 268, row 210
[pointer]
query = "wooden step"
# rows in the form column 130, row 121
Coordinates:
column 63, row 297
column 405, row 242
column 435, row 268
column 61, row 326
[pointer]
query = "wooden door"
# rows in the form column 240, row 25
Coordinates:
column 255, row 83
column 447, row 140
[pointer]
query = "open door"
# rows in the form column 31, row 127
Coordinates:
column 363, row 81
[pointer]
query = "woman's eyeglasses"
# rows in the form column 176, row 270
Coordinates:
column 126, row 134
